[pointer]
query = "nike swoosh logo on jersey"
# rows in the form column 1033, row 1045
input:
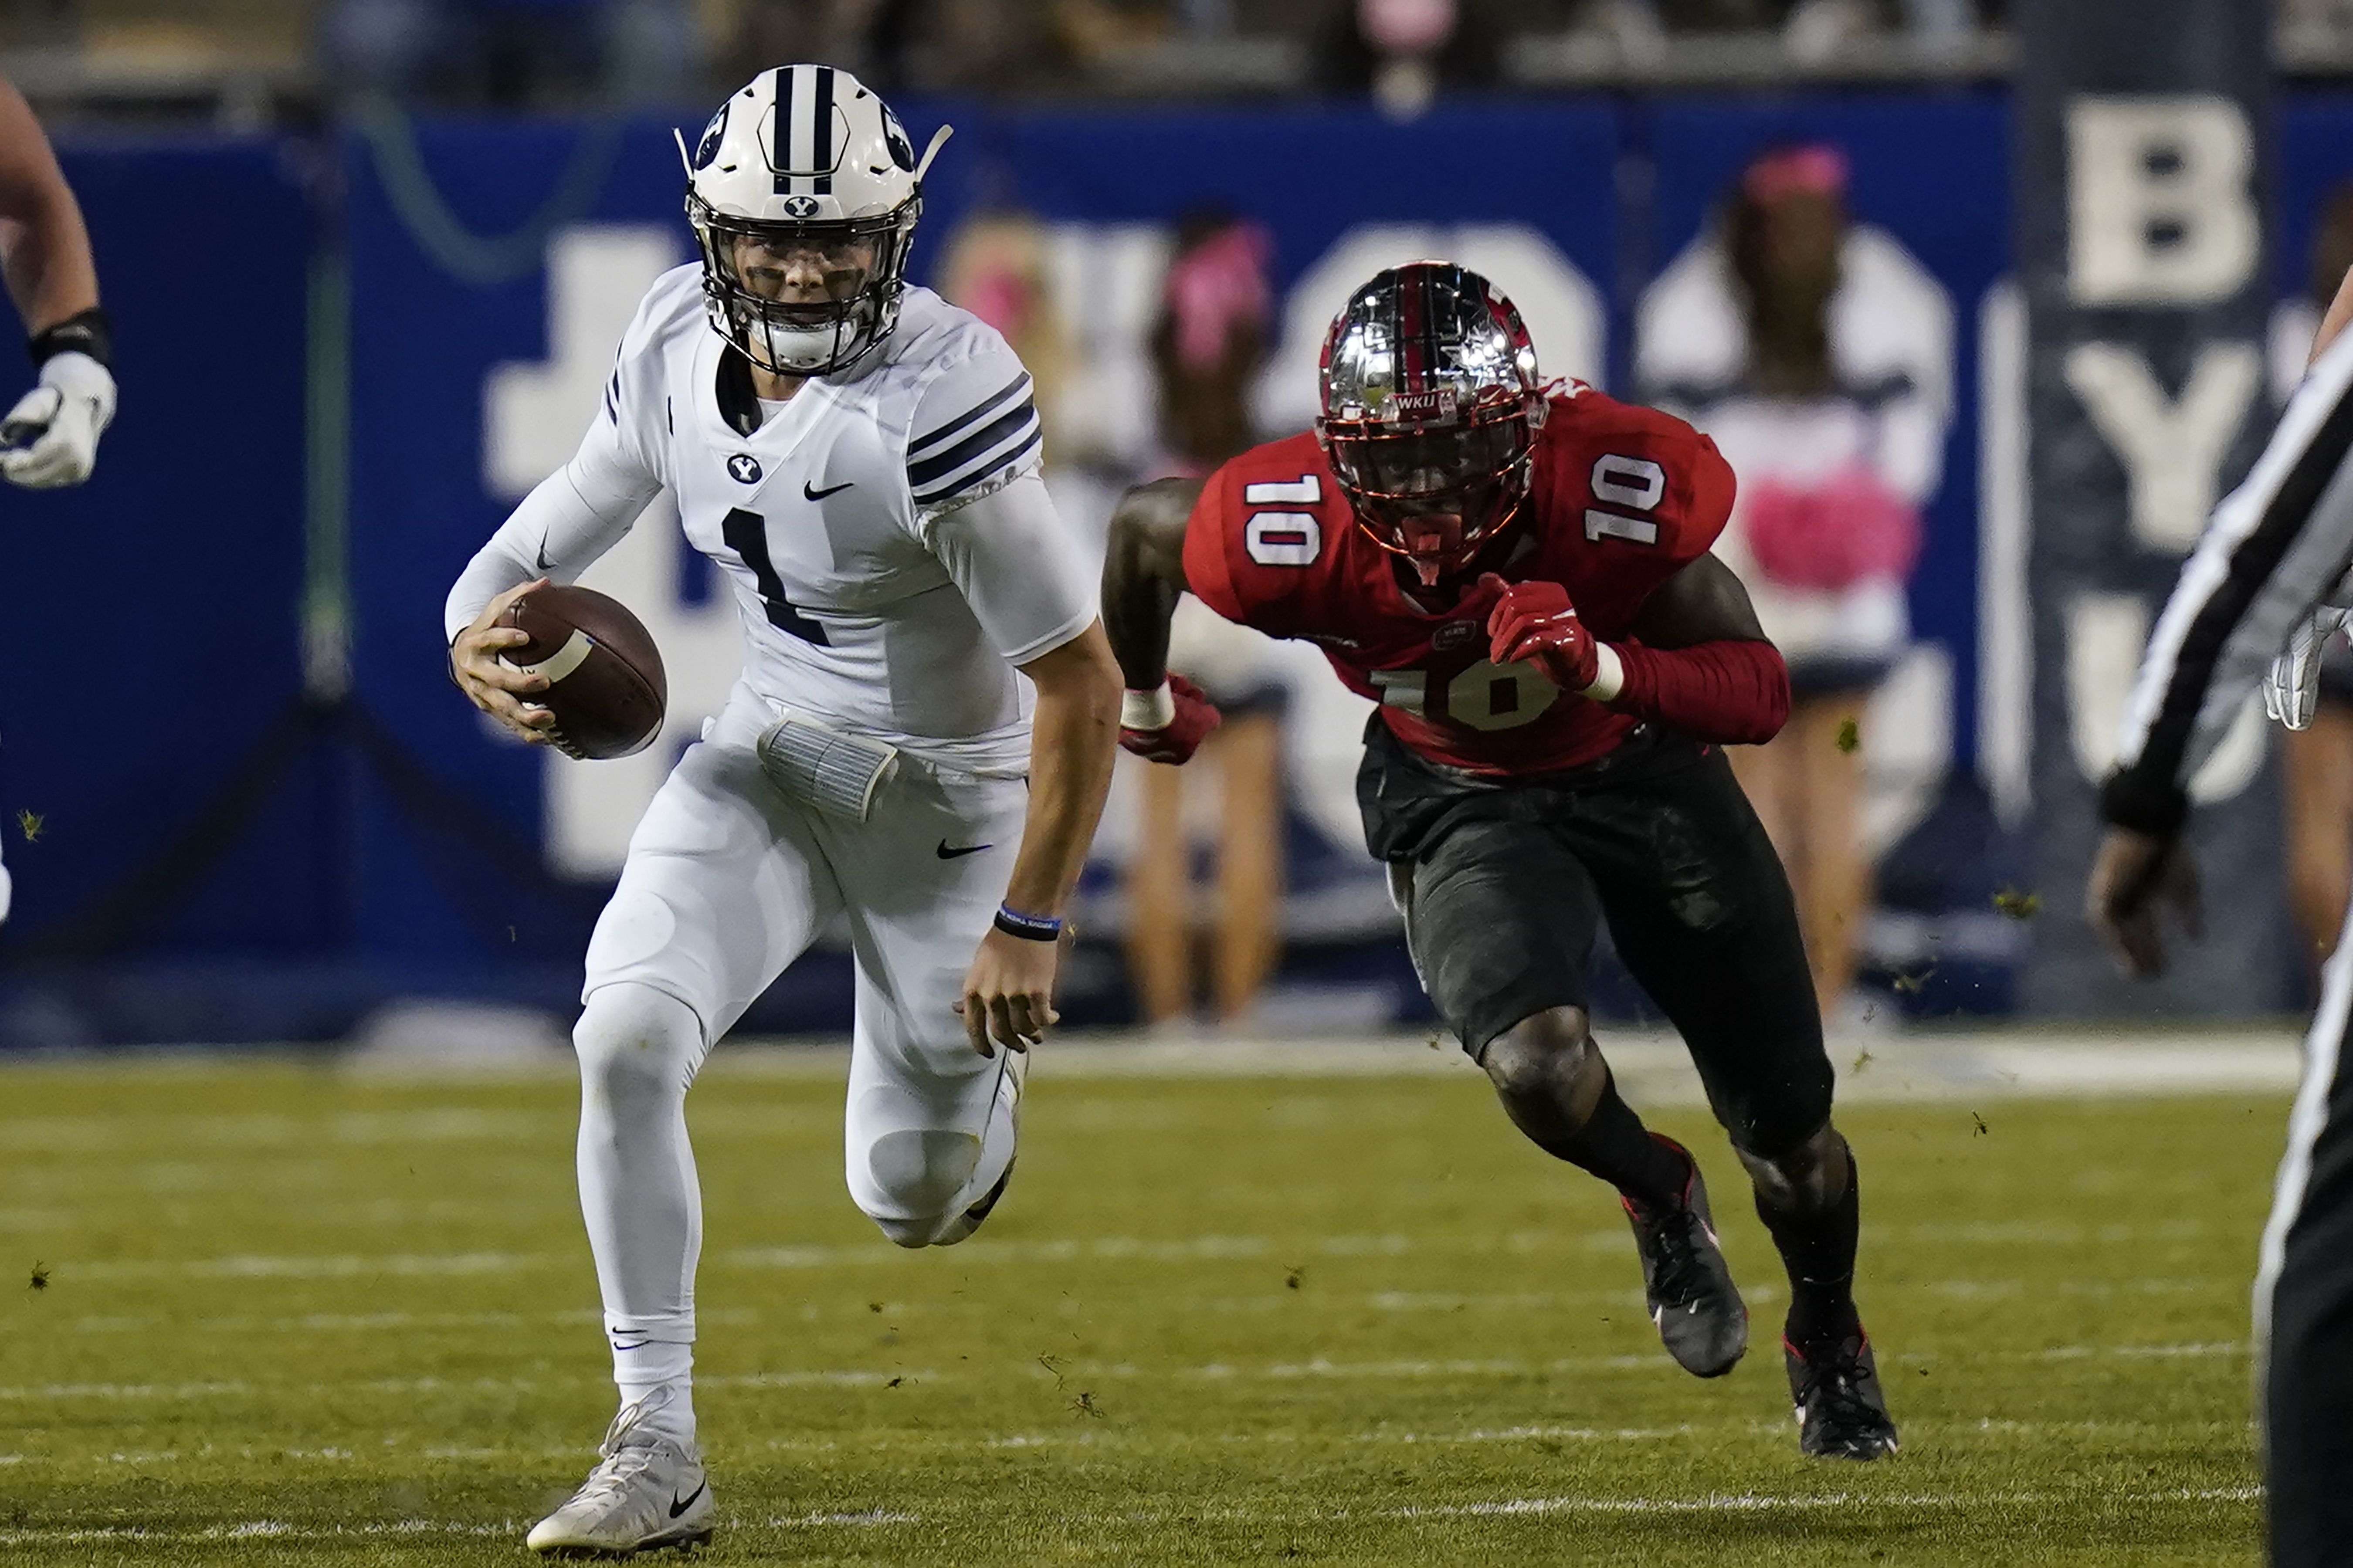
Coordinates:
column 821, row 495
column 948, row 853
column 679, row 1505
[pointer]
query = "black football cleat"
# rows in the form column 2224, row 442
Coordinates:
column 1687, row 1283
column 1842, row 1415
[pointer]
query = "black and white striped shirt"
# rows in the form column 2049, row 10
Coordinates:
column 2275, row 548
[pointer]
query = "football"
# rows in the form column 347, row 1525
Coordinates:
column 605, row 685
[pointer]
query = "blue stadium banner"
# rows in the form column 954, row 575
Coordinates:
column 2143, row 146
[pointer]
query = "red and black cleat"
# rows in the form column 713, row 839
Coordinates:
column 1842, row 1415
column 1687, row 1283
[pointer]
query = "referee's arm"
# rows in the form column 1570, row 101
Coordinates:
column 2273, row 549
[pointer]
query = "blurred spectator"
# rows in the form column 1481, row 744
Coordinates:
column 1789, row 336
column 2316, row 764
column 1403, row 52
column 995, row 268
column 896, row 44
column 1216, row 322
column 513, row 53
column 1812, row 29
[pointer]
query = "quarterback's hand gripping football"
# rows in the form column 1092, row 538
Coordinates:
column 492, row 684
column 50, row 438
column 1534, row 622
column 1167, row 725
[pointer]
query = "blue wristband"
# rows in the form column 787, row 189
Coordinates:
column 1030, row 928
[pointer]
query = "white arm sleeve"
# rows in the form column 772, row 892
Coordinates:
column 583, row 509
column 571, row 518
column 1030, row 578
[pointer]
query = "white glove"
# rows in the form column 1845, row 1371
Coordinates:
column 50, row 438
column 2291, row 684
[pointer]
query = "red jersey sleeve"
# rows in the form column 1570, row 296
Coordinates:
column 1635, row 495
column 1261, row 539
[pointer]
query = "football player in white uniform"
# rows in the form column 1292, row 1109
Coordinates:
column 861, row 460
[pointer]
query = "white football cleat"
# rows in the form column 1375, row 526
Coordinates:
column 647, row 1492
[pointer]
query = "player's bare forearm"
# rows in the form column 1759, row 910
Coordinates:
column 1074, row 735
column 44, row 247
column 1144, row 576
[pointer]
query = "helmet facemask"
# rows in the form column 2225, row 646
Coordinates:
column 803, row 298
column 1431, row 406
column 1436, row 491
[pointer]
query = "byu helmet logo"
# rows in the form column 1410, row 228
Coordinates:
column 903, row 151
column 744, row 469
column 708, row 148
column 800, row 207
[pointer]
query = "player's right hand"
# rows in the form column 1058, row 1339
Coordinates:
column 1192, row 717
column 1535, row 622
column 50, row 438
column 492, row 684
column 2137, row 879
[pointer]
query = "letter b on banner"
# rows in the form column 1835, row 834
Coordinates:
column 2161, row 201
column 2141, row 252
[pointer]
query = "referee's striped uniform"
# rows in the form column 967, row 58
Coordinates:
column 2272, row 549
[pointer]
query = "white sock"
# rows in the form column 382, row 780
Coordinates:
column 658, row 1376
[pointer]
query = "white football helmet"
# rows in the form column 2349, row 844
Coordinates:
column 805, row 159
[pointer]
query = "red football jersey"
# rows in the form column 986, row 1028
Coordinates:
column 1621, row 498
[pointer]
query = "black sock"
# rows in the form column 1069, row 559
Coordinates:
column 1615, row 1146
column 1818, row 1249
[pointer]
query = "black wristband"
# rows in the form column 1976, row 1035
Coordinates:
column 89, row 332
column 2155, row 808
column 1029, row 928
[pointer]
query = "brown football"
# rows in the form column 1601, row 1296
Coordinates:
column 605, row 685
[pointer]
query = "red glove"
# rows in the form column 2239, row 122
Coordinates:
column 1175, row 741
column 1535, row 622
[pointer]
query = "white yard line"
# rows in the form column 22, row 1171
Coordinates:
column 1506, row 1507
column 1104, row 1249
column 1072, row 1372
column 1949, row 1066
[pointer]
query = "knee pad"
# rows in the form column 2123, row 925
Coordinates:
column 921, row 1173
column 636, row 1043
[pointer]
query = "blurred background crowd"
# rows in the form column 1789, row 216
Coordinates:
column 253, row 59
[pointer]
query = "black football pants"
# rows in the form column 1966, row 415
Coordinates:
column 1504, row 885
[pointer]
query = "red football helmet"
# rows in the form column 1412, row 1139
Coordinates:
column 1431, row 405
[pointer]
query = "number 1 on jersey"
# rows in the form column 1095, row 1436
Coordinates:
column 746, row 533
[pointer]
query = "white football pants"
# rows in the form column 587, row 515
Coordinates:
column 727, row 881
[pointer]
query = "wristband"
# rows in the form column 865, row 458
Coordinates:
column 1029, row 928
column 1152, row 709
column 1609, row 678
column 88, row 332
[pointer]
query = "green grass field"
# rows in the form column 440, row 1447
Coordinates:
column 292, row 1315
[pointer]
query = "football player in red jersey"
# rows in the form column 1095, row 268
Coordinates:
column 1519, row 575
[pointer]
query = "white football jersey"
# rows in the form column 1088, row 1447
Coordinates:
column 886, row 534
